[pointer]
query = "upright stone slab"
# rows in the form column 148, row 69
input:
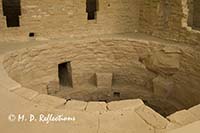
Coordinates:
column 162, row 86
column 104, row 80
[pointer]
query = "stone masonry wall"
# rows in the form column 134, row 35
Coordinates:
column 37, row 65
column 197, row 13
column 118, row 57
column 168, row 19
column 50, row 19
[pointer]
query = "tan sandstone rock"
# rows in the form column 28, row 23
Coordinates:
column 163, row 62
column 162, row 86
column 26, row 93
column 125, row 104
column 49, row 101
column 182, row 117
column 104, row 80
column 96, row 106
column 123, row 122
column 195, row 111
column 75, row 105
column 151, row 117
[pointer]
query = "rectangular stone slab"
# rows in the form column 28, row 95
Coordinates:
column 75, row 105
column 104, row 80
column 125, row 104
column 195, row 111
column 26, row 93
column 49, row 101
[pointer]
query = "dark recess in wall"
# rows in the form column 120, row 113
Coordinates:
column 91, row 8
column 12, row 11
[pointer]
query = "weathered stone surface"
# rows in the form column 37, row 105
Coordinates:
column 26, row 93
column 75, row 105
column 195, row 111
column 170, row 126
column 117, row 122
column 162, row 86
column 172, row 50
column 96, row 106
column 49, row 101
column 190, row 128
column 128, row 68
column 74, row 28
column 5, row 81
column 163, row 62
column 182, row 117
column 125, row 104
column 104, row 80
column 53, row 87
column 151, row 117
column 63, row 20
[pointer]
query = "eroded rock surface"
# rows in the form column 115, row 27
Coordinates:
column 165, row 61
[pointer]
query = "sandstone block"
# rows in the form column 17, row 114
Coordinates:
column 96, row 106
column 5, row 81
column 123, row 122
column 163, row 62
column 162, row 86
column 53, row 87
column 75, row 105
column 26, row 93
column 195, row 111
column 125, row 104
column 190, row 128
column 49, row 101
column 151, row 117
column 182, row 117
column 104, row 80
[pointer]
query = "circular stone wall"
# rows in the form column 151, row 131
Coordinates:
column 165, row 76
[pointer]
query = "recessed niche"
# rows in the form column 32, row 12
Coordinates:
column 12, row 11
column 65, row 74
column 91, row 8
column 12, row 21
column 116, row 94
column 101, row 100
column 194, row 14
column 31, row 34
